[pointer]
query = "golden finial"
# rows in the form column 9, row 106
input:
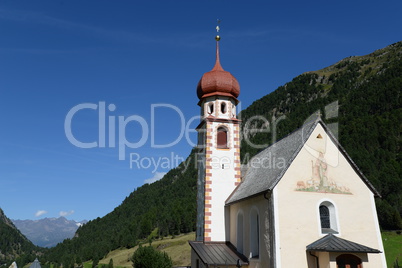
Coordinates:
column 217, row 37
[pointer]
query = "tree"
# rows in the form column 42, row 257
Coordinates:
column 148, row 257
column 95, row 262
column 110, row 263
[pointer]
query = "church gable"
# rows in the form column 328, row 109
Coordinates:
column 323, row 166
column 266, row 169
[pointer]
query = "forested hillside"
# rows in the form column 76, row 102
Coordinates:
column 367, row 91
column 14, row 246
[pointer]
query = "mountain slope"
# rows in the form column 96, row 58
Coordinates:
column 47, row 232
column 13, row 244
column 362, row 96
column 367, row 91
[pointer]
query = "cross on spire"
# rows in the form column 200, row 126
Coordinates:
column 217, row 37
column 319, row 114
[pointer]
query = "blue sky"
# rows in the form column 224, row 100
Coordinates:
column 140, row 61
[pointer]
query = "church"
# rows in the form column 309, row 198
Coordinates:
column 302, row 202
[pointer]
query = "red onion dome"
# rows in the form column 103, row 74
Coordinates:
column 218, row 81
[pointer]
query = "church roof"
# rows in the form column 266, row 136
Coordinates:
column 331, row 243
column 267, row 168
column 217, row 253
column 35, row 264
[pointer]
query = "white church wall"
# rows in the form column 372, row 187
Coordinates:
column 320, row 173
column 246, row 208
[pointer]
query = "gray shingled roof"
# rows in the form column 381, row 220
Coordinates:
column 331, row 243
column 218, row 253
column 35, row 264
column 263, row 175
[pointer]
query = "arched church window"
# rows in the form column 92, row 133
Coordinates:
column 324, row 217
column 222, row 138
column 254, row 234
column 223, row 107
column 328, row 218
column 240, row 232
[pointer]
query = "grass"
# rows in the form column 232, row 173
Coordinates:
column 392, row 247
column 87, row 265
column 177, row 248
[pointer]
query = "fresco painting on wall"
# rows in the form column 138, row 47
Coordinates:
column 320, row 181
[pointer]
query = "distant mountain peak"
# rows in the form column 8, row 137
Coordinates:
column 48, row 232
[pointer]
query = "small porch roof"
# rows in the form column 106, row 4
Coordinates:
column 218, row 253
column 332, row 243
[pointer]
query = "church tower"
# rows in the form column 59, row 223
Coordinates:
column 218, row 149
